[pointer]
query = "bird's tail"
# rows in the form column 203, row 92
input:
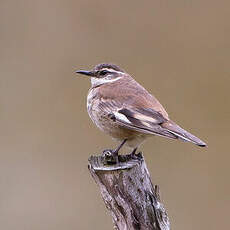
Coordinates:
column 182, row 134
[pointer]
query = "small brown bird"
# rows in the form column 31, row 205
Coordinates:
column 122, row 108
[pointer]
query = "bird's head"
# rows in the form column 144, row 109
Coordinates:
column 103, row 73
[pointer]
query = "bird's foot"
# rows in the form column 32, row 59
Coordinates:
column 110, row 156
column 136, row 156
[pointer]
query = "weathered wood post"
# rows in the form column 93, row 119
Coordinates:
column 128, row 193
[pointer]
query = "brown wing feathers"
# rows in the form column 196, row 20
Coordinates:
column 143, row 114
column 138, row 110
column 182, row 134
column 152, row 122
column 134, row 120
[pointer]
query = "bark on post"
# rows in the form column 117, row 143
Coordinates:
column 128, row 193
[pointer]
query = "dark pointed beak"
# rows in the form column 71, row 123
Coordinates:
column 85, row 72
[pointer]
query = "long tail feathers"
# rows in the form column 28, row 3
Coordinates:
column 182, row 134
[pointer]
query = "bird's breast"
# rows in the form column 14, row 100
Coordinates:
column 100, row 118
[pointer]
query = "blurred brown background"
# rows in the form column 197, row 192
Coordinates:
column 179, row 50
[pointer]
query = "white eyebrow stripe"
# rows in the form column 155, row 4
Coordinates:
column 112, row 70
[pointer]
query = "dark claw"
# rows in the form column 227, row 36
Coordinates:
column 135, row 156
column 107, row 152
column 110, row 156
column 139, row 155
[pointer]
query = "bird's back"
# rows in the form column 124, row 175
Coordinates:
column 127, row 92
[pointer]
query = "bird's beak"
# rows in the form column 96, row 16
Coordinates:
column 85, row 72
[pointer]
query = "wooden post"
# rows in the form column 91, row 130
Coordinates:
column 128, row 193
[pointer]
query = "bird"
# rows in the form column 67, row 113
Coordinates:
column 125, row 110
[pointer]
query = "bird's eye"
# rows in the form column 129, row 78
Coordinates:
column 103, row 72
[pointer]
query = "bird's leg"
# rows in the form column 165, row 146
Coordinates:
column 115, row 151
column 134, row 155
column 111, row 156
column 133, row 152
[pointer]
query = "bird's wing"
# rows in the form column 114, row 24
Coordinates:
column 149, row 121
column 132, row 107
column 131, row 94
column 143, row 120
